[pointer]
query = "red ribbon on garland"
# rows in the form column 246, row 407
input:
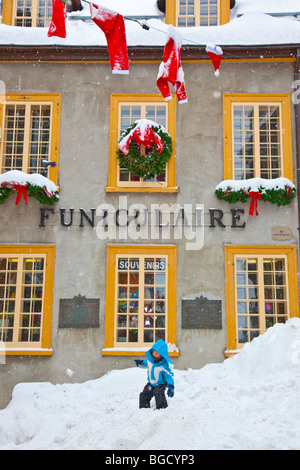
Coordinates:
column 255, row 195
column 21, row 192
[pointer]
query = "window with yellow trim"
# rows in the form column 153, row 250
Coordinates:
column 26, row 290
column 125, row 110
column 30, row 133
column 257, row 137
column 261, row 290
column 141, row 297
column 191, row 13
column 27, row 13
column 197, row 13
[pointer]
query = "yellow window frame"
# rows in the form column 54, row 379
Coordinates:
column 283, row 101
column 111, row 348
column 28, row 100
column 172, row 8
column 43, row 348
column 117, row 99
column 9, row 8
column 231, row 252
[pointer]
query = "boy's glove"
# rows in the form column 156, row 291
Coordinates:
column 170, row 391
column 138, row 362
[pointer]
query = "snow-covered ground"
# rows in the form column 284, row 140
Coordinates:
column 251, row 401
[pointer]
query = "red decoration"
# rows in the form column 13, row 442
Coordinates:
column 255, row 195
column 170, row 69
column 215, row 53
column 21, row 189
column 58, row 23
column 144, row 134
column 113, row 26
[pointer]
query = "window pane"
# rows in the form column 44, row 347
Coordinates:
column 243, row 141
column 141, row 299
column 129, row 113
column 8, row 281
column 261, row 293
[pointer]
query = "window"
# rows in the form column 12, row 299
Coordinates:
column 140, row 298
column 125, row 110
column 30, row 133
column 257, row 137
column 190, row 13
column 197, row 12
column 26, row 290
column 35, row 13
column 261, row 290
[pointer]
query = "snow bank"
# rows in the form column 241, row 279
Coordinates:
column 251, row 401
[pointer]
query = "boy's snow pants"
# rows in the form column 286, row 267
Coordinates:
column 158, row 392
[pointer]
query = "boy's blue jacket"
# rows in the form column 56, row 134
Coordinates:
column 159, row 372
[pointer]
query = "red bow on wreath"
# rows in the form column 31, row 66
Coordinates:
column 255, row 196
column 142, row 134
column 21, row 192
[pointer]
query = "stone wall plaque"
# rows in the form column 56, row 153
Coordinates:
column 282, row 233
column 201, row 313
column 79, row 312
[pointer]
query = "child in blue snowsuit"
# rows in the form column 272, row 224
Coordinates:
column 160, row 376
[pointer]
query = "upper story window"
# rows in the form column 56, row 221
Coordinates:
column 197, row 12
column 125, row 110
column 257, row 137
column 36, row 13
column 27, row 13
column 191, row 13
column 30, row 133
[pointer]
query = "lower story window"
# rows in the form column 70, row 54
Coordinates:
column 26, row 285
column 261, row 290
column 141, row 296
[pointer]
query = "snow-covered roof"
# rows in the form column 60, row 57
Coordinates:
column 253, row 28
column 266, row 6
column 128, row 7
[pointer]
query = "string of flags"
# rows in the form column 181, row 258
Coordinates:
column 113, row 26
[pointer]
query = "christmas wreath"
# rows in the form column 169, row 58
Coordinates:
column 34, row 185
column 280, row 191
column 155, row 138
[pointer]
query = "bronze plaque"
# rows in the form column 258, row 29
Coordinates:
column 201, row 313
column 282, row 233
column 79, row 312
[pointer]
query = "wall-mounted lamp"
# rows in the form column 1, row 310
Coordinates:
column 47, row 163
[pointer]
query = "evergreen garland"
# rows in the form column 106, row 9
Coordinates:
column 33, row 191
column 4, row 193
column 279, row 196
column 149, row 165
